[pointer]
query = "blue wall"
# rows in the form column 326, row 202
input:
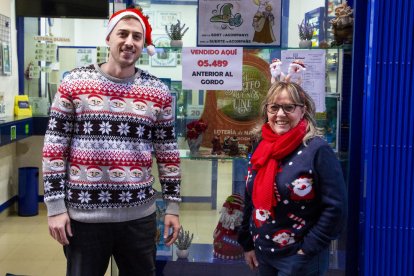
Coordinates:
column 387, row 138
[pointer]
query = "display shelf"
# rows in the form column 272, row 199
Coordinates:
column 201, row 262
column 13, row 129
column 205, row 154
column 328, row 119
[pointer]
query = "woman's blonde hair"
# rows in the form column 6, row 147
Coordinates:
column 298, row 96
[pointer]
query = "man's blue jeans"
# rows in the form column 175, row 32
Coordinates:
column 132, row 243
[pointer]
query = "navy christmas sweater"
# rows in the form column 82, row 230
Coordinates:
column 311, row 204
column 97, row 154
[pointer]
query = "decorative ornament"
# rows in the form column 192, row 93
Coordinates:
column 342, row 25
column 225, row 235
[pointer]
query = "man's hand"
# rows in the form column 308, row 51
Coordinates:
column 171, row 222
column 59, row 228
column 250, row 258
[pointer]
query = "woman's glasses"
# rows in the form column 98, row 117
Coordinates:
column 287, row 108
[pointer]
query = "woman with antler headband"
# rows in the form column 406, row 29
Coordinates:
column 295, row 192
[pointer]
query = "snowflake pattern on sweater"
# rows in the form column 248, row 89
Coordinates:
column 100, row 137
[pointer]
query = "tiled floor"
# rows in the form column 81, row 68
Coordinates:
column 27, row 249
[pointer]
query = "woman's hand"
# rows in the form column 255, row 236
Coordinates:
column 250, row 258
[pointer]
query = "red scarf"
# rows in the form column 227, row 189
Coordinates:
column 266, row 158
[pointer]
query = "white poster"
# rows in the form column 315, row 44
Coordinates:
column 313, row 77
column 85, row 57
column 239, row 23
column 218, row 68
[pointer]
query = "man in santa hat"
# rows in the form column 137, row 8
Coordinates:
column 109, row 210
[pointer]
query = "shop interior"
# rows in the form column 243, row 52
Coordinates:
column 44, row 49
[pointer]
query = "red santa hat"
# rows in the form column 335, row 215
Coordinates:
column 117, row 98
column 113, row 168
column 74, row 166
column 65, row 97
column 117, row 16
column 135, row 168
column 140, row 101
column 156, row 105
column 56, row 159
column 235, row 202
column 93, row 167
column 95, row 96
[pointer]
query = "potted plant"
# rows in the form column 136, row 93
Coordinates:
column 183, row 242
column 176, row 32
column 305, row 34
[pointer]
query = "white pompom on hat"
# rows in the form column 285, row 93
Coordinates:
column 117, row 16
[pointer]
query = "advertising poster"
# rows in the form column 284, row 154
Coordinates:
column 236, row 113
column 218, row 68
column 239, row 23
column 6, row 59
column 85, row 57
column 313, row 78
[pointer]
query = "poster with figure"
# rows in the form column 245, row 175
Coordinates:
column 241, row 23
column 234, row 114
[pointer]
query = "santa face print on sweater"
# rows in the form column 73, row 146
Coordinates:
column 302, row 189
column 117, row 104
column 167, row 112
column 139, row 107
column 170, row 169
column 136, row 174
column 65, row 104
column 94, row 173
column 56, row 164
column 283, row 238
column 77, row 102
column 95, row 102
column 261, row 216
column 74, row 172
column 156, row 110
column 116, row 174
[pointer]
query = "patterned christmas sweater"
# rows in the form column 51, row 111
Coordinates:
column 97, row 154
column 311, row 204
